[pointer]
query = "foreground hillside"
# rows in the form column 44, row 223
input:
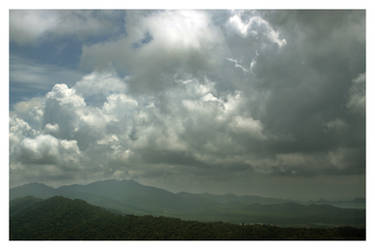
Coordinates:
column 129, row 197
column 60, row 218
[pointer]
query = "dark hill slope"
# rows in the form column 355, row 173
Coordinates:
column 60, row 218
column 20, row 204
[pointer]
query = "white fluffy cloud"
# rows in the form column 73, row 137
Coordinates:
column 65, row 96
column 51, row 128
column 123, row 129
column 46, row 149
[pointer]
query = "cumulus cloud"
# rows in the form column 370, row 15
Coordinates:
column 124, row 130
column 46, row 149
column 51, row 128
column 19, row 129
column 31, row 111
column 97, row 86
column 214, row 96
column 65, row 96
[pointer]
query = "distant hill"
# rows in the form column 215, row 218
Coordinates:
column 60, row 218
column 130, row 197
column 33, row 189
column 357, row 203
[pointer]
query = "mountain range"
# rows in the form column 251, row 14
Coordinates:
column 60, row 218
column 130, row 197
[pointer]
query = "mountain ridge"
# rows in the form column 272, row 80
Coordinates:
column 61, row 218
column 151, row 187
column 130, row 197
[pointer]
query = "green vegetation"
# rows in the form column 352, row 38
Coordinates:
column 60, row 218
column 129, row 197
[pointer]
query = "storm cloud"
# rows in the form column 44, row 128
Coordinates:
column 250, row 102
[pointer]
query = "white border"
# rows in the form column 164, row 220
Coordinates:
column 192, row 4
column 169, row 4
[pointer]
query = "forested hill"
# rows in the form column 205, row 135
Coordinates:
column 130, row 197
column 60, row 218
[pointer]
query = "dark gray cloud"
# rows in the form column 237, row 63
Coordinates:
column 220, row 101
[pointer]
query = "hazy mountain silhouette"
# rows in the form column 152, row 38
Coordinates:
column 130, row 197
column 358, row 203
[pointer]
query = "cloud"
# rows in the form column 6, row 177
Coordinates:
column 180, row 42
column 356, row 101
column 336, row 124
column 213, row 96
column 51, row 128
column 19, row 129
column 30, row 26
column 27, row 26
column 255, row 26
column 339, row 157
column 99, row 85
column 124, row 130
column 46, row 149
column 238, row 65
column 31, row 111
column 65, row 96
column 28, row 77
column 36, row 75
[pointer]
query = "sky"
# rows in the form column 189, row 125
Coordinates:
column 220, row 101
